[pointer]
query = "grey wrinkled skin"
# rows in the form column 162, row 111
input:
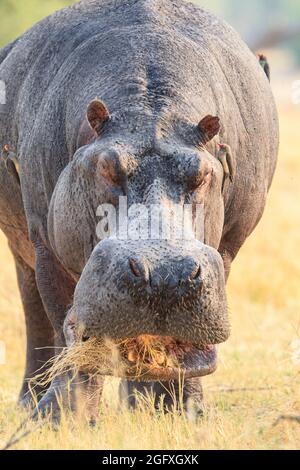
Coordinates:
column 160, row 66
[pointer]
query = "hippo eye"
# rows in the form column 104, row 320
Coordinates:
column 206, row 178
column 201, row 180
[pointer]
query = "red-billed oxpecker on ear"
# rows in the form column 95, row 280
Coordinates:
column 265, row 65
column 11, row 162
column 226, row 158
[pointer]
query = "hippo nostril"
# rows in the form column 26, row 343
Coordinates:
column 135, row 269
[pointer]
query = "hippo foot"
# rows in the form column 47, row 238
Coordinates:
column 80, row 396
column 26, row 402
column 29, row 397
column 59, row 398
column 194, row 410
column 167, row 397
column 50, row 407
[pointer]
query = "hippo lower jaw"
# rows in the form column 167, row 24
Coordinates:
column 194, row 363
column 178, row 360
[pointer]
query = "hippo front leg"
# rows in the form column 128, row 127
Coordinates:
column 56, row 289
column 80, row 395
column 169, row 396
column 13, row 223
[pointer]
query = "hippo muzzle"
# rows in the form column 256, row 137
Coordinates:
column 165, row 289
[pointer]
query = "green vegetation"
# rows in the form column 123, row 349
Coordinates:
column 255, row 19
column 17, row 16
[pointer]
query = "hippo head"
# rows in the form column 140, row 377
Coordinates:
column 137, row 218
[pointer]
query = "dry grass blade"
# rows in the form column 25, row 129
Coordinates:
column 295, row 419
column 16, row 438
column 240, row 389
column 105, row 357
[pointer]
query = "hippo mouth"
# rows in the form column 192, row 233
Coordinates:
column 144, row 357
column 165, row 358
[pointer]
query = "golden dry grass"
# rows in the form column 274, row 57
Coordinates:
column 138, row 356
column 258, row 376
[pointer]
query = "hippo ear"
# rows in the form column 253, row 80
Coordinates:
column 209, row 127
column 97, row 114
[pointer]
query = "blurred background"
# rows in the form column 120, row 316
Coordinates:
column 262, row 23
column 269, row 25
column 259, row 371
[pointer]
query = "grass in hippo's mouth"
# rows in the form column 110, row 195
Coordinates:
column 133, row 355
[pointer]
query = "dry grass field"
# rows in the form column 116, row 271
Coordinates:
column 258, row 378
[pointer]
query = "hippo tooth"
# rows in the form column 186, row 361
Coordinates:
column 159, row 358
column 132, row 356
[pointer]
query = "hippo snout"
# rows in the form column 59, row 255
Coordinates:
column 172, row 280
column 133, row 289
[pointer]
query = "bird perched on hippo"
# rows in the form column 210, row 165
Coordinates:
column 109, row 100
column 11, row 161
column 265, row 65
column 226, row 159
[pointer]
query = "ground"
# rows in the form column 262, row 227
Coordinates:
column 258, row 378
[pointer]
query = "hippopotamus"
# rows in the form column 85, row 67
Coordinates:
column 110, row 101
